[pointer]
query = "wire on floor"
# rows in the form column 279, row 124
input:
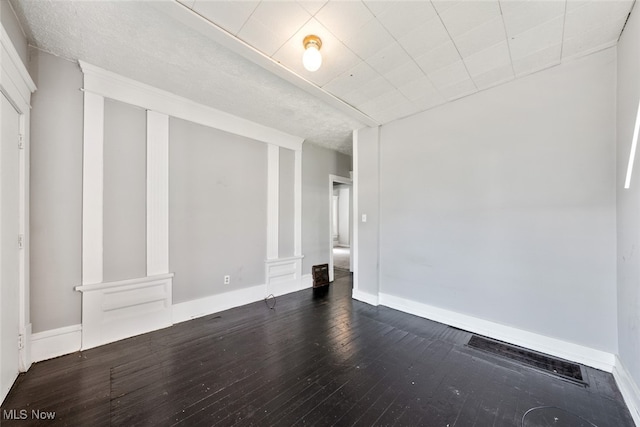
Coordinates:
column 270, row 297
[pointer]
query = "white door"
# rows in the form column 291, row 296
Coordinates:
column 9, row 246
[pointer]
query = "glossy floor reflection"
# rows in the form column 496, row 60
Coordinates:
column 317, row 358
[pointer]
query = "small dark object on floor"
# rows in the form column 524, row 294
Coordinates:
column 270, row 300
column 549, row 364
column 321, row 291
column 320, row 275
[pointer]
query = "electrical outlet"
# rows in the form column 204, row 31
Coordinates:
column 227, row 280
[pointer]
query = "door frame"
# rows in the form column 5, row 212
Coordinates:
column 17, row 86
column 336, row 179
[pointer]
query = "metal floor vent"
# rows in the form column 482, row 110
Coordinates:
column 557, row 367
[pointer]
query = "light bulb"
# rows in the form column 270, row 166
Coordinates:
column 312, row 58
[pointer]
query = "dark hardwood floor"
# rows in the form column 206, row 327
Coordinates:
column 317, row 358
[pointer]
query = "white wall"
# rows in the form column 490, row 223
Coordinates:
column 125, row 191
column 628, row 207
column 501, row 206
column 366, row 150
column 218, row 200
column 56, row 192
column 343, row 215
column 286, row 201
column 217, row 210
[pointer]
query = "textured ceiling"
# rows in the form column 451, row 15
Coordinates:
column 382, row 59
column 142, row 43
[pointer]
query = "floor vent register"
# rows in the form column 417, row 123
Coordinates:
column 557, row 367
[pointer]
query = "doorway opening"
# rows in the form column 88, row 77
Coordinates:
column 340, row 225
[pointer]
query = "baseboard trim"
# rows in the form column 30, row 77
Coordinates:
column 365, row 297
column 58, row 342
column 112, row 311
column 306, row 282
column 215, row 303
column 283, row 275
column 283, row 288
column 629, row 389
column 577, row 353
column 55, row 342
column 25, row 359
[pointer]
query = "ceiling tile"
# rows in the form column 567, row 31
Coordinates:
column 369, row 39
column 596, row 38
column 261, row 37
column 443, row 55
column 355, row 78
column 459, row 90
column 425, row 37
column 344, row 18
column 405, row 73
column 230, row 15
column 336, row 57
column 353, row 98
column 494, row 57
column 449, row 75
column 494, row 77
column 188, row 3
column 537, row 61
column 594, row 14
column 363, row 93
column 520, row 16
column 442, row 5
column 429, row 102
column 398, row 112
column 376, row 88
column 389, row 58
column 283, row 18
column 538, row 38
column 418, row 89
column 377, row 7
column 386, row 101
column 465, row 16
column 574, row 4
column 481, row 37
column 404, row 16
column 312, row 6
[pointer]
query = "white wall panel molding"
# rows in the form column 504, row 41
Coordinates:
column 117, row 310
column 56, row 342
column 307, row 281
column 273, row 197
column 16, row 82
column 157, row 193
column 574, row 352
column 356, row 215
column 297, row 204
column 628, row 388
column 17, row 86
column 215, row 303
column 92, row 189
column 114, row 86
column 284, row 275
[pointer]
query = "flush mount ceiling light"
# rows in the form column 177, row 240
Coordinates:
column 312, row 58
